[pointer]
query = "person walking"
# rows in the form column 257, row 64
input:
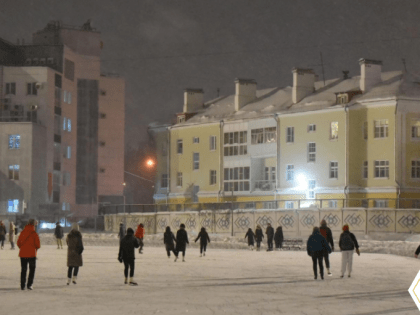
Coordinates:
column 250, row 235
column 168, row 240
column 270, row 235
column 278, row 238
column 74, row 253
column 140, row 235
column 121, row 232
column 126, row 255
column 416, row 254
column 259, row 236
column 347, row 243
column 28, row 243
column 204, row 238
column 3, row 233
column 12, row 235
column 316, row 246
column 58, row 233
column 326, row 232
column 181, row 242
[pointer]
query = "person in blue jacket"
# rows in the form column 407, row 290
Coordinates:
column 316, row 247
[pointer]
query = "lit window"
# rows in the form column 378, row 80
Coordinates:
column 333, row 169
column 164, row 180
column 365, row 169
column 179, row 179
column 381, row 169
column 179, row 146
column 311, row 152
column 64, row 123
column 196, row 161
column 332, row 203
column 213, row 177
column 415, row 129
column 14, row 172
column 14, row 141
column 212, row 143
column 68, row 153
column 270, row 134
column 13, row 205
column 311, row 189
column 334, row 130
column 311, row 128
column 415, row 169
column 290, row 172
column 290, row 135
column 290, row 205
column 68, row 124
column 257, row 136
column 381, row 128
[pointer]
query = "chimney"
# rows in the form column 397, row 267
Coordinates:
column 370, row 73
column 303, row 84
column 245, row 92
column 193, row 100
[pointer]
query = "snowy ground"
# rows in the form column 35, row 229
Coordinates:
column 226, row 281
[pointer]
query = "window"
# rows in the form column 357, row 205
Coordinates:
column 42, row 61
column 69, row 69
column 13, row 205
column 342, row 98
column 290, row 134
column 236, row 179
column 235, row 143
column 311, row 152
column 11, row 88
column 333, row 169
column 365, row 169
column 196, row 161
column 31, row 89
column 311, row 128
column 179, row 148
column 334, row 130
column 14, row 142
column 68, row 124
column 257, row 136
column 14, row 172
column 290, row 172
column 381, row 128
column 416, row 204
column 68, row 97
column 250, row 205
column 290, row 205
column 270, row 135
column 365, row 130
column 212, row 143
column 181, row 119
column 50, row 61
column 65, row 96
column 380, row 204
column 164, row 180
column 270, row 205
column 68, row 152
column 332, row 203
column 213, row 177
column 64, row 123
column 179, row 179
column 102, row 115
column 270, row 173
column 196, row 140
column 311, row 189
column 415, row 128
column 381, row 169
column 415, row 169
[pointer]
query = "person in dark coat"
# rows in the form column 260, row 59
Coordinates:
column 347, row 243
column 121, row 232
column 168, row 240
column 326, row 232
column 259, row 236
column 315, row 247
column 58, row 233
column 126, row 254
column 181, row 242
column 416, row 254
column 3, row 233
column 74, row 253
column 278, row 238
column 204, row 237
column 270, row 235
column 250, row 235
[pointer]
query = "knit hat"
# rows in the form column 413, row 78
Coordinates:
column 130, row 231
column 323, row 223
column 182, row 225
column 345, row 227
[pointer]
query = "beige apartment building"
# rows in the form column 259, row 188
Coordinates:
column 61, row 124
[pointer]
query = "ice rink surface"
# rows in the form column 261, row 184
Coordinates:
column 223, row 282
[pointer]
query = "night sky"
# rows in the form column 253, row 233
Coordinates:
column 164, row 46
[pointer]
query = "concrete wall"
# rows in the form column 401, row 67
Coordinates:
column 295, row 223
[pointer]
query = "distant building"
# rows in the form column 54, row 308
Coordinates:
column 61, row 124
column 356, row 138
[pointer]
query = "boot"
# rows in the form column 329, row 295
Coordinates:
column 74, row 279
column 204, row 254
column 183, row 259
column 176, row 258
column 68, row 281
column 329, row 272
column 126, row 280
column 132, row 281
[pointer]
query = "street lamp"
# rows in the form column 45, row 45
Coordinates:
column 124, row 184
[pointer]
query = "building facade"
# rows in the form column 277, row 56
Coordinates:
column 348, row 142
column 62, row 124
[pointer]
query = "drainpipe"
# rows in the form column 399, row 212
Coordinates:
column 168, row 151
column 346, row 181
column 220, row 160
column 397, row 204
column 276, row 118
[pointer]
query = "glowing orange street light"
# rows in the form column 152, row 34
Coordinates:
column 150, row 163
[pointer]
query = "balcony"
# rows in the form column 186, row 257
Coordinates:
column 264, row 185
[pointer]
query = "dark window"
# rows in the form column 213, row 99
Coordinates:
column 68, row 69
column 58, row 80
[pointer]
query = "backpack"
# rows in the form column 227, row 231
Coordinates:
column 346, row 242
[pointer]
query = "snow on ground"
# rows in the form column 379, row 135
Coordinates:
column 225, row 281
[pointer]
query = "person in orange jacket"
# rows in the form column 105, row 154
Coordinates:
column 139, row 235
column 28, row 244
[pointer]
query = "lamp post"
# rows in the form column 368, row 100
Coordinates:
column 125, row 221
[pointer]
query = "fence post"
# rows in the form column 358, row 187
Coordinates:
column 366, row 229
column 231, row 218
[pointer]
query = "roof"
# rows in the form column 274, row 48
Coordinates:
column 272, row 101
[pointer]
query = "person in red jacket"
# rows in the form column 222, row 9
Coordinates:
column 139, row 235
column 28, row 244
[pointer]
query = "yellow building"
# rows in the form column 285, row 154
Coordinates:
column 348, row 142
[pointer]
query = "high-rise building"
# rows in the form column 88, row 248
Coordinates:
column 61, row 124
